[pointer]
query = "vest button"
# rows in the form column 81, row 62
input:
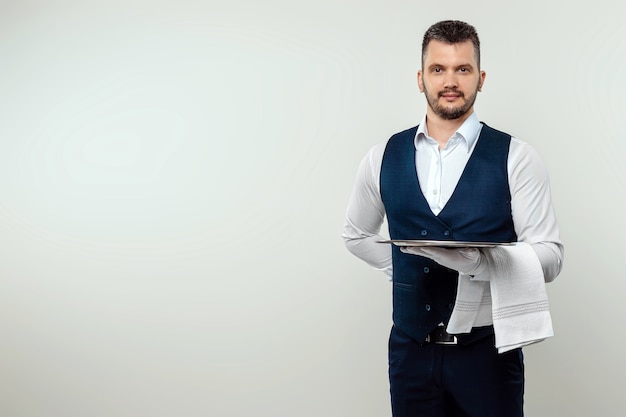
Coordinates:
column 446, row 233
column 426, row 269
column 427, row 307
column 424, row 232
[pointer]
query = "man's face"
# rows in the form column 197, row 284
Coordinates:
column 450, row 78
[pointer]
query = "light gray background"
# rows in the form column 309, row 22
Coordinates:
column 173, row 180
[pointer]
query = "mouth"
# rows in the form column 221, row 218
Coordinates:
column 450, row 96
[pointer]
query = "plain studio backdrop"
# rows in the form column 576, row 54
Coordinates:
column 173, row 181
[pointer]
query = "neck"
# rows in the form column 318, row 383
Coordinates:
column 442, row 129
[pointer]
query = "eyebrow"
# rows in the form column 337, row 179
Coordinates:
column 466, row 65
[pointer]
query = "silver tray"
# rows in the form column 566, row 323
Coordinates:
column 445, row 243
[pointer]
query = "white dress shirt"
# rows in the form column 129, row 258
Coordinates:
column 438, row 171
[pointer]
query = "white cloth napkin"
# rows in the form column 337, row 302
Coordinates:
column 511, row 294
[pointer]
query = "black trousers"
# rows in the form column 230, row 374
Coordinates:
column 472, row 380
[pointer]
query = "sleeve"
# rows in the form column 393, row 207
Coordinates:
column 365, row 215
column 533, row 213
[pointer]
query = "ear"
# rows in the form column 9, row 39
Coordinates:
column 420, row 81
column 483, row 74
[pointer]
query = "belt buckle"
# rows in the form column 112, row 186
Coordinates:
column 454, row 341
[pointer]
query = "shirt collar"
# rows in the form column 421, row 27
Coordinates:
column 468, row 131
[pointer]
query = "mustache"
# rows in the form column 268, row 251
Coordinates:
column 451, row 90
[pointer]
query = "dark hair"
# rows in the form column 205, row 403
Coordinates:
column 452, row 31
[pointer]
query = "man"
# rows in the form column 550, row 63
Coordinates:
column 455, row 345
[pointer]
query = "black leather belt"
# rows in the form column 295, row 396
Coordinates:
column 441, row 337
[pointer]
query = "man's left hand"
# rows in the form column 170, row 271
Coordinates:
column 467, row 261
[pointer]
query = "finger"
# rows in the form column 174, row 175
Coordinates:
column 407, row 249
column 434, row 251
column 412, row 250
column 469, row 251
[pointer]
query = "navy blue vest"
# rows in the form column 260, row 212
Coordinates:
column 479, row 210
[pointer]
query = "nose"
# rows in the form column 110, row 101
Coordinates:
column 450, row 81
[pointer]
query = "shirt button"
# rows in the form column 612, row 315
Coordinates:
column 434, row 192
column 424, row 232
column 427, row 307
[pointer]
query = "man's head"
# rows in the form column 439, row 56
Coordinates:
column 450, row 76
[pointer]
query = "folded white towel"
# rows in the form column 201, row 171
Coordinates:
column 511, row 294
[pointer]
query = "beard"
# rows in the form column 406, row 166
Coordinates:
column 448, row 112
